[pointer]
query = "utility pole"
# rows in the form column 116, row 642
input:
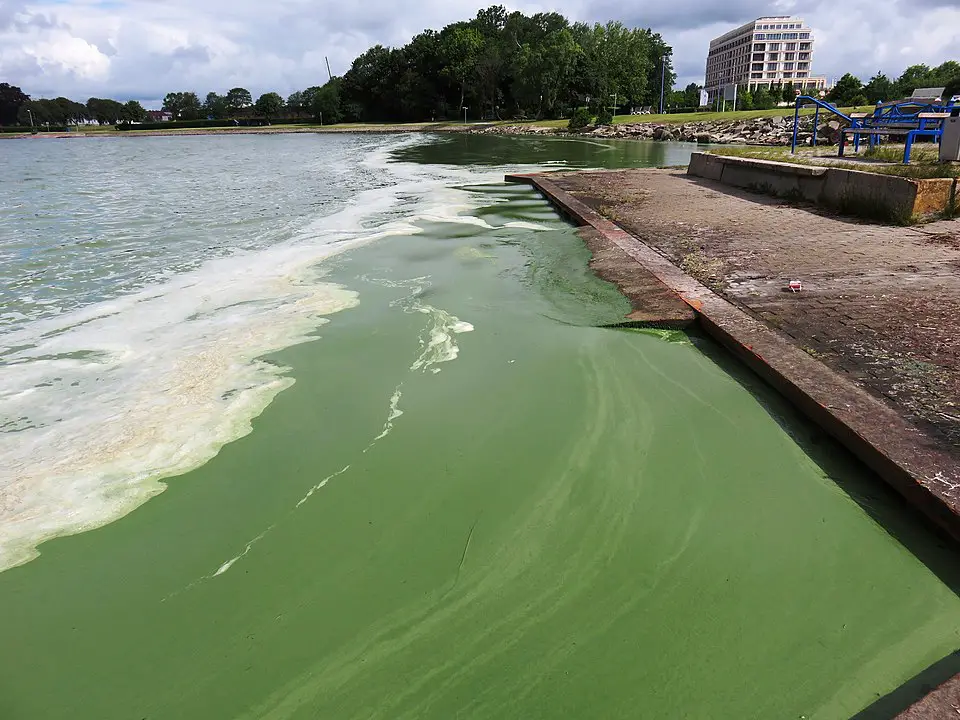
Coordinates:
column 329, row 74
column 663, row 72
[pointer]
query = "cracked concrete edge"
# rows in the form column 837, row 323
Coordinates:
column 897, row 451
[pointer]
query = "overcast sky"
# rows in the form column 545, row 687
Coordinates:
column 141, row 49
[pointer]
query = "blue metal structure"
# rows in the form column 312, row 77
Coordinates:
column 907, row 118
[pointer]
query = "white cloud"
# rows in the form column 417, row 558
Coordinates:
column 143, row 48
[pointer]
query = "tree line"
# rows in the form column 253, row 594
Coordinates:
column 500, row 64
column 503, row 65
column 16, row 108
column 851, row 91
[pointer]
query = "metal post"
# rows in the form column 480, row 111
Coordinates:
column 30, row 113
column 321, row 119
column 663, row 72
column 796, row 124
column 465, row 108
column 816, row 124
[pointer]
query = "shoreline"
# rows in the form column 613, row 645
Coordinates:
column 767, row 131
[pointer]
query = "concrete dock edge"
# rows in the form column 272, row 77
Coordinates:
column 898, row 452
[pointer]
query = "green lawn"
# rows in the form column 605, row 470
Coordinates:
column 924, row 162
column 684, row 118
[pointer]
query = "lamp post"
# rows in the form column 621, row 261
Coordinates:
column 663, row 72
column 465, row 108
column 614, row 96
column 321, row 119
column 30, row 113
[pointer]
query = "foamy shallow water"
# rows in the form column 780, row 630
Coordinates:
column 154, row 360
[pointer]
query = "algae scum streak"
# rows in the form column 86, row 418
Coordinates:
column 398, row 463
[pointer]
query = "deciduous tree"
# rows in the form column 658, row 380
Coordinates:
column 269, row 105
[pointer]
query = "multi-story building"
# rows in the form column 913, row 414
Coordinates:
column 766, row 52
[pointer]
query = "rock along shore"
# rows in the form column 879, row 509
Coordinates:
column 755, row 131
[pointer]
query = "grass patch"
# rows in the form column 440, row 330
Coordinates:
column 871, row 208
column 707, row 270
column 924, row 164
column 686, row 118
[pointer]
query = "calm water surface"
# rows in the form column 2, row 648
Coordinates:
column 407, row 472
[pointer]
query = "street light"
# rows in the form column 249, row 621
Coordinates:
column 663, row 72
column 465, row 108
column 30, row 113
column 614, row 96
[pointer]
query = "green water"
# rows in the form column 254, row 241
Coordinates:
column 564, row 522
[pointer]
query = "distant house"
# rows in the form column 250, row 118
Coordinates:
column 159, row 116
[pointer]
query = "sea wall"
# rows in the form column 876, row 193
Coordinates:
column 852, row 192
column 756, row 131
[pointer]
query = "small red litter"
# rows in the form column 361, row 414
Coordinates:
column 795, row 286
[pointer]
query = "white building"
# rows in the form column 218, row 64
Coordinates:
column 765, row 52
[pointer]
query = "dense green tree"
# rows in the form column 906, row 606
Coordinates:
column 762, row 99
column 59, row 111
column 847, row 91
column 105, row 111
column 12, row 99
column 691, row 95
column 134, row 112
column 544, row 73
column 238, row 100
column 269, row 105
column 744, row 99
column 879, row 88
column 952, row 88
column 295, row 104
column 460, row 49
column 511, row 63
column 215, row 106
column 183, row 105
column 325, row 102
column 789, row 93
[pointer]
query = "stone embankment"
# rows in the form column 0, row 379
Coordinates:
column 756, row 131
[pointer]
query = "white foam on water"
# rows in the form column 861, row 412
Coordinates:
column 100, row 404
column 229, row 563
column 318, row 486
column 393, row 414
column 438, row 342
